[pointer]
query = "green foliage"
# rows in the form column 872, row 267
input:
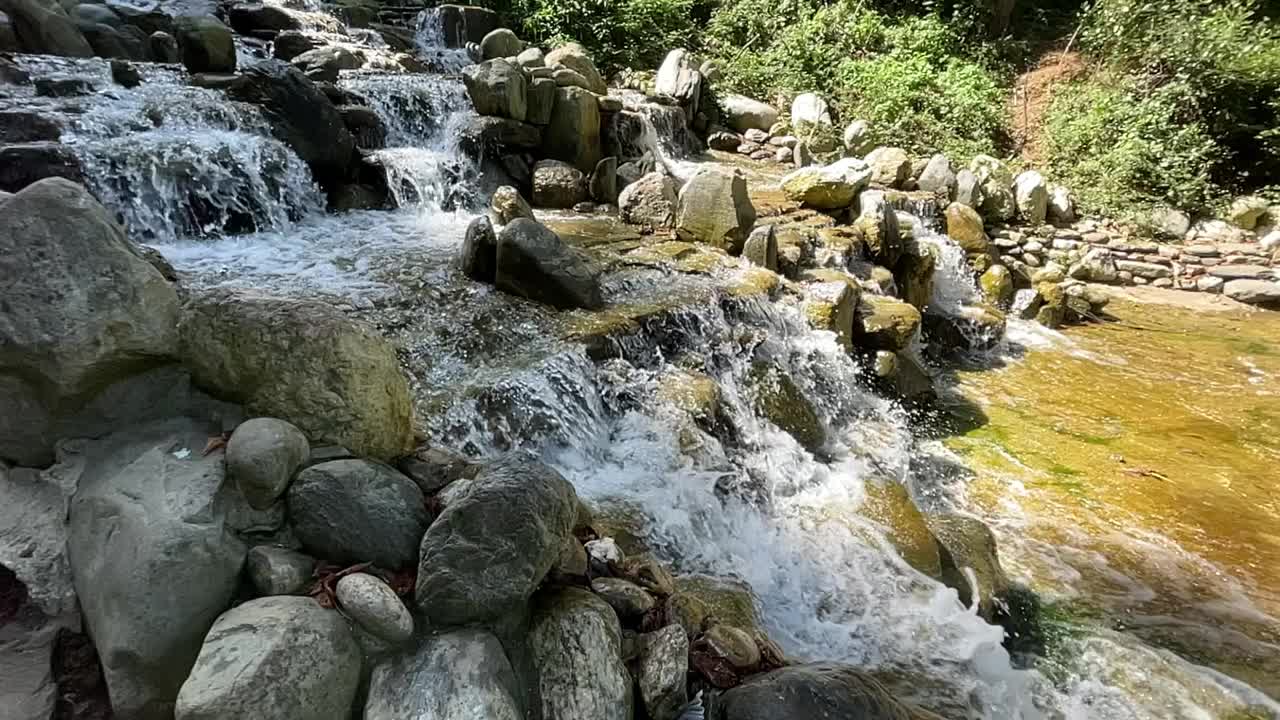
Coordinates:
column 618, row 33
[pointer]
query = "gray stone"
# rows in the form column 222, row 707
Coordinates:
column 1145, row 270
column 33, row 536
column 576, row 645
column 507, row 205
column 206, row 44
column 573, row 132
column 999, row 203
column 1098, row 265
column 1241, row 272
column 628, row 600
column 742, row 113
column 323, row 64
column 1245, row 211
column 1032, row 196
column 289, row 44
column 83, row 310
column 890, row 166
column 880, row 229
column 529, row 57
column 679, row 79
column 812, row 691
column 45, row 28
column 761, row 247
column 714, row 208
column 250, row 17
column 479, row 256
column 564, row 77
column 262, row 456
column 604, row 181
column 498, row 88
column 1253, row 292
column 831, row 187
column 661, row 672
column 937, row 176
column 151, row 557
column 279, row 571
column 650, row 201
column 856, row 138
column 574, row 57
column 274, row 658
column 495, row 542
column 534, row 263
column 352, row 511
column 1171, row 223
column 810, row 108
column 435, row 468
column 968, row 190
column 374, row 606
column 1062, row 206
column 452, row 676
column 500, row 43
column 541, row 100
column 558, row 184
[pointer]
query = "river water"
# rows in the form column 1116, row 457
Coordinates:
column 1127, row 469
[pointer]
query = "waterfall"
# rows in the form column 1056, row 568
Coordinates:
column 430, row 39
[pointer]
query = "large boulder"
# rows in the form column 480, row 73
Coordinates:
column 576, row 644
column 662, row 671
column 575, row 57
column 23, row 164
column 83, row 310
column 257, row 17
column 352, row 511
column 650, row 201
column 714, row 208
column 542, row 100
column 891, row 167
column 679, row 79
column 152, row 558
column 965, row 227
column 275, row 658
column 819, row 690
column 499, row 88
column 832, row 187
column 303, row 361
column 534, row 263
column 998, row 200
column 1031, row 192
column 495, row 542
column 454, row 675
column 810, row 108
column 500, row 43
column 206, row 44
column 1253, row 292
column 1097, row 266
column 558, row 184
column 743, row 113
column 573, row 132
column 968, row 190
column 937, row 177
column 43, row 27
column 301, row 116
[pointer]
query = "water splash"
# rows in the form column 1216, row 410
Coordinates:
column 430, row 39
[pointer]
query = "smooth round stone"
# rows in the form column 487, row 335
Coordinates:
column 373, row 605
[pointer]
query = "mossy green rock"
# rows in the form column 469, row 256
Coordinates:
column 885, row 323
column 890, row 504
column 964, row 225
column 780, row 401
column 997, row 284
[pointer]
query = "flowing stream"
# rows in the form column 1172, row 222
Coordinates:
column 201, row 179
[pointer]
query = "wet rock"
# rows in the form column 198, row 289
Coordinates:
column 274, row 658
column 969, row 328
column 878, row 223
column 732, row 645
column 604, row 181
column 661, row 671
column 997, row 284
column 813, row 691
column 21, row 126
column 1032, row 196
column 576, row 645
column 151, row 557
column 761, row 247
column 1253, row 292
column 890, row 167
column 508, row 205
column 832, row 187
column 998, row 200
column 810, row 108
column 303, row 361
column 573, row 132
column 914, row 274
column 511, row 521
column 498, row 88
column 829, row 306
column 967, row 544
column 889, row 503
column 627, row 599
column 575, row 57
column 743, row 113
column 365, row 125
column 454, row 675
column 650, row 201
column 964, row 225
column 352, row 511
column 301, row 117
column 484, row 134
column 885, row 323
column 323, row 64
column 289, row 44
column 163, row 47
column 24, row 164
column 206, row 44
column 777, row 398
column 714, row 208
column 45, row 28
column 558, row 184
column 937, row 176
column 479, row 257
column 125, row 74
column 248, row 18
column 279, row 571
column 678, row 78
column 85, row 310
column 374, row 606
column 534, row 263
column 643, row 569
column 434, row 468
column 262, row 456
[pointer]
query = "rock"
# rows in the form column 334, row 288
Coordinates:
column 714, row 208
column 813, row 691
column 289, row 44
column 534, row 263
column 323, row 64
column 454, row 675
column 206, row 44
column 501, row 43
column 274, row 658
column 303, row 361
column 1032, row 196
column 301, row 117
column 353, row 511
column 23, row 126
column 541, row 100
column 1253, row 292
column 832, row 187
column 998, row 200
column 891, row 167
column 279, row 571
column 250, row 17
column 511, row 521
column 810, row 108
column 997, row 285
column 761, row 247
column 373, row 605
column 914, row 274
column 679, row 79
column 878, row 223
column 604, row 181
column 857, row 138
column 885, row 323
column 573, row 133
column 937, row 176
column 1062, row 206
column 1245, row 212
column 574, row 57
column 1171, row 223
column 558, row 184
column 435, row 468
column 733, row 645
column 151, row 556
column 661, row 672
column 1097, row 266
column 479, row 257
column 576, row 645
column 45, row 28
column 829, row 306
column 564, row 77
column 1240, row 272
column 530, row 58
column 262, row 456
column 776, row 397
column 498, row 88
column 125, row 74
column 724, row 141
column 83, row 310
column 968, row 190
column 964, row 225
column 508, row 205
column 627, row 599
column 650, row 201
column 1145, row 270
column 33, row 541
column 365, row 126
column 743, row 114
column 1210, row 284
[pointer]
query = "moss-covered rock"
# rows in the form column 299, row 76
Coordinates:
column 778, row 399
column 890, row 504
column 997, row 285
column 964, row 225
column 885, row 323
column 831, row 306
